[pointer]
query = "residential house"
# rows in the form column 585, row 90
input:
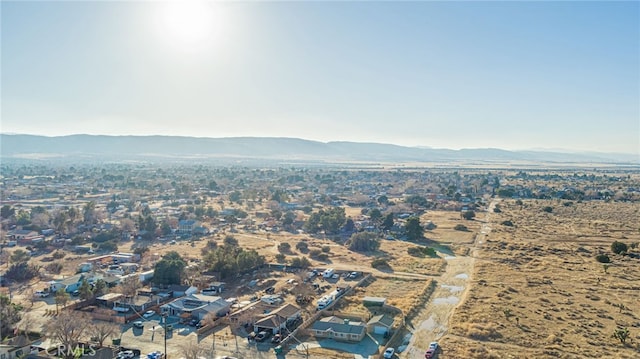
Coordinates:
column 68, row 284
column 338, row 329
column 24, row 236
column 197, row 305
column 186, row 226
column 278, row 319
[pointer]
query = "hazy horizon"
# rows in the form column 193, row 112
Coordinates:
column 557, row 76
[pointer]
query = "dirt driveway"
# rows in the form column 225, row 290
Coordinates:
column 432, row 322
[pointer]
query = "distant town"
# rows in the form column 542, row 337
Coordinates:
column 189, row 261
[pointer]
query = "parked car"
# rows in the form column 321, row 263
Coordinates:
column 262, row 336
column 127, row 354
column 434, row 346
column 149, row 314
column 138, row 324
column 429, row 354
column 41, row 294
column 354, row 275
column 75, row 293
column 388, row 354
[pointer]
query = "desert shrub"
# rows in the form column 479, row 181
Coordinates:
column 415, row 251
column 322, row 257
column 547, row 209
column 280, row 258
column 519, row 202
column 567, row 204
column 497, row 210
column 468, row 215
column 58, row 255
column 314, row 253
column 22, row 271
column 603, row 258
column 326, row 249
column 380, row 263
column 364, row 242
column 422, row 252
column 461, row 227
column 507, row 223
column 300, row 262
column 302, row 246
column 284, row 247
column 430, row 226
column 54, row 267
column 108, row 246
column 618, row 247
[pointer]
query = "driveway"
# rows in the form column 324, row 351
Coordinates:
column 362, row 350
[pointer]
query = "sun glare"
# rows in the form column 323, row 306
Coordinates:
column 189, row 26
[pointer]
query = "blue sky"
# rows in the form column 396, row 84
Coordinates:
column 512, row 75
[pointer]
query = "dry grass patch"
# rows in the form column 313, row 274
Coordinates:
column 537, row 284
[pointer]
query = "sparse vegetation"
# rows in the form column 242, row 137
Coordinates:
column 619, row 247
column 364, row 242
column 603, row 258
column 461, row 227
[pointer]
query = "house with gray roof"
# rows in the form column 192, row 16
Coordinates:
column 339, row 329
column 197, row 306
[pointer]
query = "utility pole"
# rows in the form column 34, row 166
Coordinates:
column 164, row 317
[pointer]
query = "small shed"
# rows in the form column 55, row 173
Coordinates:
column 380, row 324
column 374, row 301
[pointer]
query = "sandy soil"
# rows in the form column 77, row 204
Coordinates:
column 537, row 291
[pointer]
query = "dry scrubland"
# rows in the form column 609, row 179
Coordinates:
column 537, row 290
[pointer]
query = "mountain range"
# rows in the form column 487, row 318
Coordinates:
column 155, row 148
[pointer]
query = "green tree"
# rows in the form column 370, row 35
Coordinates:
column 7, row 211
column 375, row 215
column 85, row 290
column 89, row 212
column 383, row 200
column 9, row 316
column 61, row 298
column 619, row 247
column 413, row 229
column 468, row 215
column 363, row 242
column 284, row 247
column 100, row 288
column 230, row 241
column 302, row 246
column 169, row 269
column 387, row 223
column 300, row 262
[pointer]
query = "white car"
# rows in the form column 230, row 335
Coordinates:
column 388, row 354
column 149, row 314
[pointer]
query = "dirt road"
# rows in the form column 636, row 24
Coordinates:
column 432, row 321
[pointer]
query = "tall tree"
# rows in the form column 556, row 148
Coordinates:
column 9, row 315
column 413, row 228
column 7, row 211
column 61, row 298
column 169, row 269
column 85, row 290
column 100, row 331
column 68, row 328
column 387, row 223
